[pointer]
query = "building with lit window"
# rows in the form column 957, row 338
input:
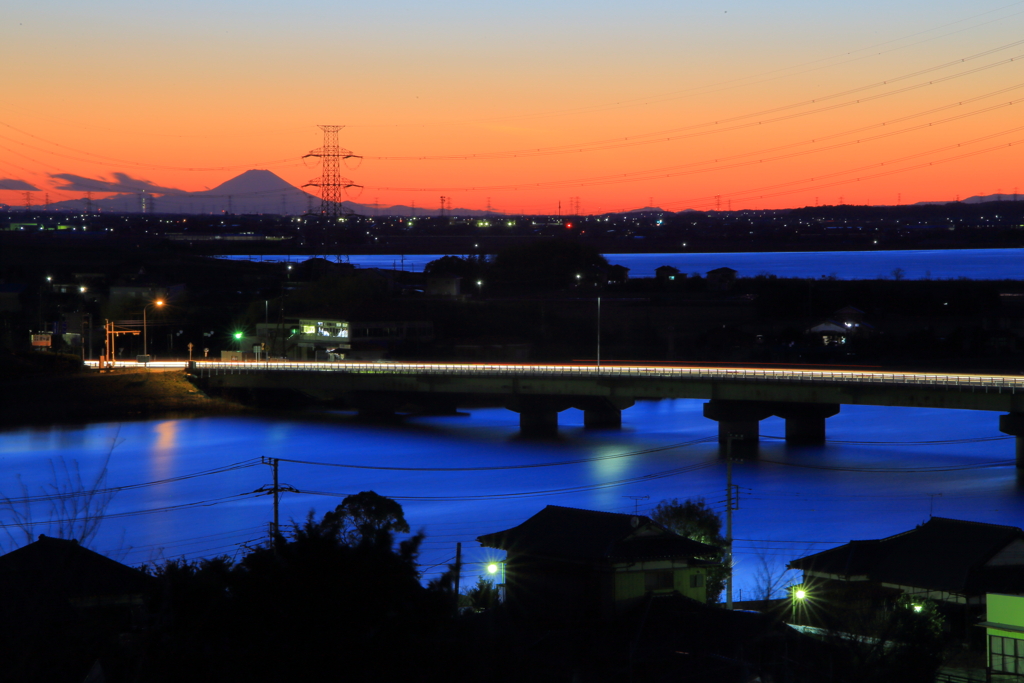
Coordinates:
column 1004, row 630
column 566, row 564
column 332, row 339
column 952, row 562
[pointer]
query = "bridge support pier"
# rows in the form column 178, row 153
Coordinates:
column 538, row 415
column 603, row 412
column 538, row 422
column 1013, row 424
column 602, row 418
column 805, row 422
column 738, row 421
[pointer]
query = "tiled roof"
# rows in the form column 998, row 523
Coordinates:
column 588, row 535
column 64, row 567
column 941, row 554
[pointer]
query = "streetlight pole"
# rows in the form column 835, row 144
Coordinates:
column 145, row 339
column 599, row 332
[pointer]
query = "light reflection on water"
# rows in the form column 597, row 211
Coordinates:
column 788, row 507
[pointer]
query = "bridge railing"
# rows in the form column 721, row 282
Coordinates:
column 999, row 383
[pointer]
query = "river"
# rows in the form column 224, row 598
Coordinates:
column 883, row 471
column 915, row 264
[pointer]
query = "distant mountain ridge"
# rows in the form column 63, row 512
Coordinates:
column 256, row 191
column 978, row 199
column 259, row 191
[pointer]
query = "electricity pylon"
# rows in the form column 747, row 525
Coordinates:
column 330, row 182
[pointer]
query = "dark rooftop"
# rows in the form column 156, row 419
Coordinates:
column 941, row 554
column 574, row 534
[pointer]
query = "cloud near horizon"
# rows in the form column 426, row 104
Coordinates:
column 122, row 183
column 15, row 184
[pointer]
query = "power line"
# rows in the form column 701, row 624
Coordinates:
column 23, row 500
column 894, row 470
column 729, row 85
column 705, row 200
column 667, row 172
column 135, row 513
column 557, row 463
column 975, row 439
column 533, row 494
column 715, row 125
column 100, row 157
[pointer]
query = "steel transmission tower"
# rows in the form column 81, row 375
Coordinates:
column 330, row 182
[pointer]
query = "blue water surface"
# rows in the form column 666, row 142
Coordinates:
column 883, row 471
column 916, row 264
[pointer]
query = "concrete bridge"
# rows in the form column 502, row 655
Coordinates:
column 738, row 398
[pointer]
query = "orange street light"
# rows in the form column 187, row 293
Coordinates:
column 145, row 340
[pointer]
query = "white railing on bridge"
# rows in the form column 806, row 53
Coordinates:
column 1001, row 383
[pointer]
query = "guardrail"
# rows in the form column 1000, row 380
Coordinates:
column 135, row 365
column 997, row 383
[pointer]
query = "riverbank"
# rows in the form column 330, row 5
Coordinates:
column 90, row 396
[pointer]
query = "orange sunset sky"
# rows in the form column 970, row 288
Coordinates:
column 522, row 105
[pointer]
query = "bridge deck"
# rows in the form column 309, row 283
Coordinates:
column 913, row 389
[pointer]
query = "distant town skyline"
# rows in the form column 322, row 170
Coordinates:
column 591, row 107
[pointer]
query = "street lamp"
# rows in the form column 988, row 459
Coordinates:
column 145, row 340
column 798, row 594
column 497, row 570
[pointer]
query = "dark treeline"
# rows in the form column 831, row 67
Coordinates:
column 932, row 226
column 339, row 599
column 539, row 297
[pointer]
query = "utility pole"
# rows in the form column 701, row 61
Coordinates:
column 110, row 336
column 276, row 489
column 731, row 503
column 458, row 573
column 598, row 332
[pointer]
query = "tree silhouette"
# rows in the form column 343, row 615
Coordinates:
column 364, row 516
column 327, row 596
column 694, row 519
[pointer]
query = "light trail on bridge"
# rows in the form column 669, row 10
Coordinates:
column 1012, row 383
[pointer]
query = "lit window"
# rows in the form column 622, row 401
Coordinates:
column 1007, row 655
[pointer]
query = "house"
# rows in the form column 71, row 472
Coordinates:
column 1004, row 630
column 666, row 274
column 845, row 324
column 567, row 564
column 617, row 275
column 444, row 286
column 325, row 338
column 306, row 338
column 952, row 562
column 67, row 572
column 64, row 610
column 721, row 279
